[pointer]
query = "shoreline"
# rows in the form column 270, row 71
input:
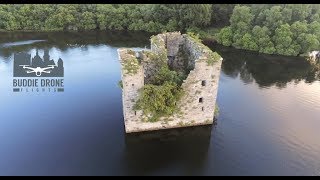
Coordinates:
column 205, row 37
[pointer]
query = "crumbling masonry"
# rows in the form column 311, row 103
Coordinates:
column 198, row 102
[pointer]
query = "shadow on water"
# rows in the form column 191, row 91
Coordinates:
column 265, row 70
column 151, row 152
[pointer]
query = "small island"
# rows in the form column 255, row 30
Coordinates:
column 170, row 86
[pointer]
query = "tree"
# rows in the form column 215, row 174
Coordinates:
column 262, row 38
column 172, row 25
column 241, row 16
column 283, row 40
column 300, row 12
column 308, row 42
column 274, row 18
column 221, row 13
column 314, row 28
column 158, row 100
column 87, row 21
column 249, row 43
column 224, row 37
column 298, row 28
column 275, row 29
column 194, row 15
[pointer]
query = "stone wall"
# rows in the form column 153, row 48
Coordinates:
column 131, row 84
column 200, row 87
column 173, row 42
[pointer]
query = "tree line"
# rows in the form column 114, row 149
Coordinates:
column 291, row 29
column 145, row 17
column 288, row 29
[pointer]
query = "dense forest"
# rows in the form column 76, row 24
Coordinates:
column 146, row 17
column 273, row 29
column 291, row 29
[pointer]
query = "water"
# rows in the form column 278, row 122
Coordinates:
column 268, row 122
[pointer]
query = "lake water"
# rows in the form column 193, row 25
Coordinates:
column 268, row 123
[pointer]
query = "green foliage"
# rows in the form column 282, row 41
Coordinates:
column 131, row 65
column 145, row 17
column 221, row 13
column 261, row 37
column 120, row 84
column 257, row 27
column 159, row 100
column 249, row 43
column 165, row 74
column 224, row 37
column 283, row 40
column 241, row 14
column 213, row 57
column 273, row 29
column 87, row 21
column 194, row 36
column 216, row 110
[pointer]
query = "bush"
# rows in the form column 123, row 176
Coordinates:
column 159, row 100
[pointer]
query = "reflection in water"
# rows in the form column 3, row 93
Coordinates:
column 268, row 122
column 266, row 70
column 19, row 43
column 148, row 153
column 66, row 40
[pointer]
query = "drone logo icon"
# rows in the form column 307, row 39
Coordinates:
column 25, row 66
column 38, row 70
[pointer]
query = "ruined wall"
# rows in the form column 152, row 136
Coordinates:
column 158, row 45
column 197, row 105
column 173, row 42
column 131, row 82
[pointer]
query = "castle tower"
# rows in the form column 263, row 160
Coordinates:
column 132, row 75
column 184, row 53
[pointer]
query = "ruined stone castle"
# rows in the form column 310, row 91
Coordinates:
column 182, row 51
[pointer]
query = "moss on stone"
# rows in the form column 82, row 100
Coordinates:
column 131, row 52
column 213, row 57
column 131, row 65
column 216, row 110
column 120, row 84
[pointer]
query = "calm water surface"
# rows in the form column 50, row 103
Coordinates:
column 268, row 124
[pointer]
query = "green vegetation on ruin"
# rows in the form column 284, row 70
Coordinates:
column 120, row 84
column 131, row 65
column 216, row 110
column 159, row 98
column 212, row 56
